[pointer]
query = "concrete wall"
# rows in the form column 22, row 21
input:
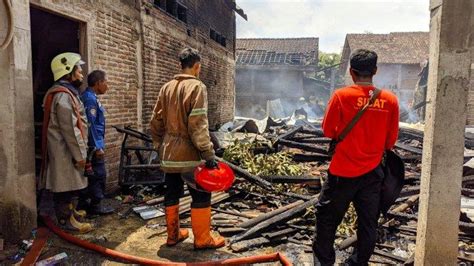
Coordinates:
column 17, row 162
column 141, row 57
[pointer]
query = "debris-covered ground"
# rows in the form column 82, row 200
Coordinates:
column 280, row 171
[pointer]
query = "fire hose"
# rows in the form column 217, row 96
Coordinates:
column 9, row 37
column 144, row 261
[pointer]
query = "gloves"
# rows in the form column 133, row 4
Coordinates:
column 211, row 164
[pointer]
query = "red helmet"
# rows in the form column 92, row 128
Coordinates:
column 214, row 180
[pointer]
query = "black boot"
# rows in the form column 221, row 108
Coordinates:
column 100, row 209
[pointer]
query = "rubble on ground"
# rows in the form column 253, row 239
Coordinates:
column 280, row 172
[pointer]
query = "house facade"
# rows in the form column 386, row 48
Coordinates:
column 135, row 41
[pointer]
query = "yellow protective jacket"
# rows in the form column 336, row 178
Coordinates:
column 179, row 126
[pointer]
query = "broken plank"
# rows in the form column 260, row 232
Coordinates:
column 235, row 213
column 302, row 146
column 311, row 139
column 316, row 132
column 313, row 157
column 39, row 243
column 276, row 220
column 268, row 215
column 292, row 179
column 347, row 242
column 410, row 191
column 230, row 230
column 408, row 148
column 297, row 196
column 280, row 233
column 289, row 134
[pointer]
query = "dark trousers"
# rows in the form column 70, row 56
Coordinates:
column 96, row 182
column 175, row 189
column 336, row 195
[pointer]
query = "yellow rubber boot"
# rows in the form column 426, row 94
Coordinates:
column 66, row 219
column 201, row 223
column 80, row 215
column 75, row 225
column 175, row 234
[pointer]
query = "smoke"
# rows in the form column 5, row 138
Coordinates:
column 276, row 93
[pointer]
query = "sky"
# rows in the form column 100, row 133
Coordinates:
column 330, row 20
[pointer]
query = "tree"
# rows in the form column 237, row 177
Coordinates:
column 327, row 60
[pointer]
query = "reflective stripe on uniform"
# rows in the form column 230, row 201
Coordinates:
column 175, row 164
column 198, row 111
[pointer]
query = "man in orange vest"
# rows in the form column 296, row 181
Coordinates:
column 355, row 173
column 180, row 130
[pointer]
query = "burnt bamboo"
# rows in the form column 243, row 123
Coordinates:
column 269, row 215
column 289, row 134
column 316, row 132
column 302, row 146
column 314, row 157
column 292, row 179
column 409, row 148
column 275, row 220
column 235, row 213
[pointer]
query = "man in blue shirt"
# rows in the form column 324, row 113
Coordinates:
column 96, row 173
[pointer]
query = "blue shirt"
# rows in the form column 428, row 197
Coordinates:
column 96, row 117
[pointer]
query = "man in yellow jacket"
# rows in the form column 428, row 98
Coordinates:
column 180, row 131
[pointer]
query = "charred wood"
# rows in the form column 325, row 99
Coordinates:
column 314, row 157
column 409, row 148
column 235, row 213
column 315, row 132
column 269, row 215
column 248, row 244
column 302, row 146
column 276, row 220
column 293, row 179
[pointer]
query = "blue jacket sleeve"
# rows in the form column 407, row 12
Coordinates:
column 95, row 139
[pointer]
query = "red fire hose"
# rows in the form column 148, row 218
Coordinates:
column 135, row 259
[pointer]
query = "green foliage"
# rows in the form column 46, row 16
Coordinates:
column 326, row 60
column 275, row 164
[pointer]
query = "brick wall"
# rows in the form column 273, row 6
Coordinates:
column 165, row 36
column 115, row 44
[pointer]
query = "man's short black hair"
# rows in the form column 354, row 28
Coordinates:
column 364, row 62
column 188, row 57
column 94, row 77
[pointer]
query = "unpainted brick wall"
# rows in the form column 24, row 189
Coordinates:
column 114, row 33
column 164, row 37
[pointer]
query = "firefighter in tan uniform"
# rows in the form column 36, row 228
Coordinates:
column 180, row 131
column 64, row 141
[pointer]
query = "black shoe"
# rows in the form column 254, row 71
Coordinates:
column 100, row 209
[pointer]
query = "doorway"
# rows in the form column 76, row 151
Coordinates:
column 51, row 35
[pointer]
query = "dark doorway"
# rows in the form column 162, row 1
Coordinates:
column 50, row 35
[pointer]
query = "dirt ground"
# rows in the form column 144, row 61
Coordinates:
column 132, row 236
